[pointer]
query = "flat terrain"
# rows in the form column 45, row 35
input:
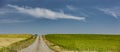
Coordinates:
column 38, row 46
column 4, row 42
column 15, row 42
column 86, row 42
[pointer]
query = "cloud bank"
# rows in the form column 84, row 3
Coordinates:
column 45, row 13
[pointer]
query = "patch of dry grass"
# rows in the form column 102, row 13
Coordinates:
column 4, row 42
column 15, row 42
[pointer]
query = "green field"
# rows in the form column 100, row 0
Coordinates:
column 15, row 42
column 86, row 42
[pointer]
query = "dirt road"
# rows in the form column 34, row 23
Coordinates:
column 38, row 46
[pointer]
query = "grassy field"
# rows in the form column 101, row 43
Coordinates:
column 15, row 35
column 86, row 42
column 15, row 42
column 4, row 42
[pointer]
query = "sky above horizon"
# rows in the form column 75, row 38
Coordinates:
column 60, row 16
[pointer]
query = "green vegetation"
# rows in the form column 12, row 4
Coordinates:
column 17, row 46
column 86, row 42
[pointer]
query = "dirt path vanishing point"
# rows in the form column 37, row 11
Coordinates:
column 38, row 46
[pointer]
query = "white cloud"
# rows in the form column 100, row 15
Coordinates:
column 45, row 13
column 115, row 11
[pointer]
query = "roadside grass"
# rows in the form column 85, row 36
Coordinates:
column 4, row 42
column 28, row 39
column 86, row 42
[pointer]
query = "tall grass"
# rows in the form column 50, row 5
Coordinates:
column 15, row 35
column 86, row 42
column 17, row 46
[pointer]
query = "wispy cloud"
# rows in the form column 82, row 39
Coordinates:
column 115, row 11
column 12, row 21
column 8, row 15
column 71, row 7
column 1, row 13
column 45, row 13
column 6, row 10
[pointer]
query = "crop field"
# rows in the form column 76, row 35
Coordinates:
column 15, row 42
column 86, row 42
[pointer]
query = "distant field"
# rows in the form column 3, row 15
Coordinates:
column 15, row 35
column 86, row 42
column 15, row 42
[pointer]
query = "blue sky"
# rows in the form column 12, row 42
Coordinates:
column 60, row 16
